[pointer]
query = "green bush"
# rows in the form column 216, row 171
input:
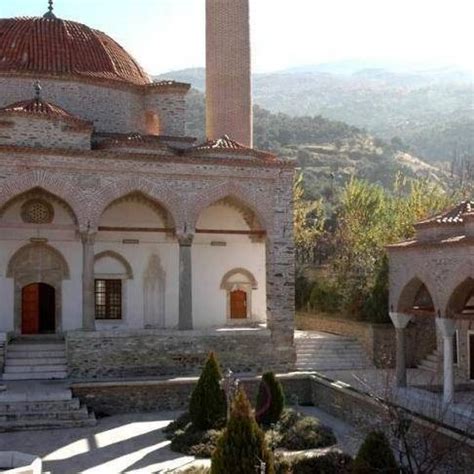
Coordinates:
column 376, row 305
column 270, row 400
column 325, row 296
column 242, row 445
column 375, row 456
column 194, row 442
column 208, row 407
column 333, row 462
column 297, row 432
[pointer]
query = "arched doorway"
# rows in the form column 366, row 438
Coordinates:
column 38, row 309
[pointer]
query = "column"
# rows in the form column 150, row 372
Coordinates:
column 400, row 321
column 88, row 298
column 447, row 328
column 185, row 282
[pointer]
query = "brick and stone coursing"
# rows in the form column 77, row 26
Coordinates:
column 43, row 132
column 111, row 108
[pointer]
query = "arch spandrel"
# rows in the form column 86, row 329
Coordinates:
column 57, row 185
column 159, row 194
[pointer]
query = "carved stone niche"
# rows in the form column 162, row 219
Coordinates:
column 154, row 289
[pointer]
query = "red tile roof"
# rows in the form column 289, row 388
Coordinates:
column 64, row 49
column 226, row 145
column 451, row 216
column 43, row 109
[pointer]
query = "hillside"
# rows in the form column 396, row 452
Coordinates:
column 427, row 112
column 327, row 151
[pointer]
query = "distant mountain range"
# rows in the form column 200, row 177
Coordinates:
column 425, row 110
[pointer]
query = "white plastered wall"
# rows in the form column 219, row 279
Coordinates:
column 211, row 260
column 61, row 235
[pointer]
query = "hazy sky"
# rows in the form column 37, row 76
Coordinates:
column 169, row 34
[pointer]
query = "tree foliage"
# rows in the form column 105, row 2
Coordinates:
column 208, row 406
column 270, row 400
column 242, row 445
column 375, row 456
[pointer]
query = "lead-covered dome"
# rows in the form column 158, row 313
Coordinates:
column 53, row 47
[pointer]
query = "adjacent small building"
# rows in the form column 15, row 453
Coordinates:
column 432, row 283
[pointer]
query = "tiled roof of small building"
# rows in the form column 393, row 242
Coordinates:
column 41, row 108
column 50, row 46
column 451, row 216
column 226, row 145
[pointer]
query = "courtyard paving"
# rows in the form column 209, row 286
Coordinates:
column 133, row 443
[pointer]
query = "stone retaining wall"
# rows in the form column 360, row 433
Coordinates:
column 378, row 340
column 154, row 353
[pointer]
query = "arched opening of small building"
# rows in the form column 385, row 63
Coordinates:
column 38, row 309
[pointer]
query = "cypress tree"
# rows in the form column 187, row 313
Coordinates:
column 208, row 407
column 242, row 445
column 270, row 400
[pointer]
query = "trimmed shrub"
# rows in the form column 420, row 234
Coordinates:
column 208, row 406
column 296, row 432
column 242, row 444
column 376, row 305
column 375, row 456
column 333, row 462
column 270, row 400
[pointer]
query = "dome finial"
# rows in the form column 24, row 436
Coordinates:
column 49, row 13
column 38, row 88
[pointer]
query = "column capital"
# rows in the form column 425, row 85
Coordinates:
column 88, row 237
column 400, row 320
column 447, row 327
column 185, row 240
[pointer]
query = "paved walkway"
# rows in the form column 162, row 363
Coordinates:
column 131, row 443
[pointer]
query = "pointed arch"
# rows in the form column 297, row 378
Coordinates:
column 160, row 194
column 461, row 300
column 116, row 256
column 37, row 259
column 416, row 296
column 51, row 183
column 239, row 194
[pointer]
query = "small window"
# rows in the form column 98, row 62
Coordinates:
column 108, row 299
column 456, row 348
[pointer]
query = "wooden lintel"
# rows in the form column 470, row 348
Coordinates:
column 260, row 233
column 137, row 229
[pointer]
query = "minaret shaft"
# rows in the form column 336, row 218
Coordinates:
column 228, row 71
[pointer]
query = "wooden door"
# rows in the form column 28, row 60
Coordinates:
column 238, row 304
column 47, row 306
column 30, row 309
column 471, row 356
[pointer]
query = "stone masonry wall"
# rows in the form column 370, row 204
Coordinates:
column 171, row 111
column 40, row 132
column 112, row 398
column 110, row 109
column 151, row 353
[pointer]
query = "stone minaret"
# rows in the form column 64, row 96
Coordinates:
column 228, row 71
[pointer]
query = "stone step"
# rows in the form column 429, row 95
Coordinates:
column 35, row 375
column 330, row 353
column 18, row 369
column 434, row 358
column 332, row 366
column 35, row 355
column 35, row 361
column 42, row 424
column 78, row 414
column 36, row 347
column 35, row 407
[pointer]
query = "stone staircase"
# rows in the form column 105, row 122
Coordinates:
column 34, row 406
column 432, row 362
column 37, row 358
column 317, row 351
